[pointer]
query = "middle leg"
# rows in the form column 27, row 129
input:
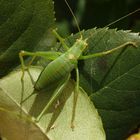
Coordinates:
column 76, row 92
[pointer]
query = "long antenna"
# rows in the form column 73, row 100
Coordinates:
column 122, row 18
column 74, row 18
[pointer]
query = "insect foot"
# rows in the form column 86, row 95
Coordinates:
column 72, row 126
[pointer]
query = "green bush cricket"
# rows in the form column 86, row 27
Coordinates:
column 61, row 66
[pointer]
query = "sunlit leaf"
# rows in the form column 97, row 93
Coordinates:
column 56, row 123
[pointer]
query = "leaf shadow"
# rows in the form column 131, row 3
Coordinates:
column 43, row 97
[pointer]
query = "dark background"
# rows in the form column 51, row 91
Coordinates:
column 97, row 13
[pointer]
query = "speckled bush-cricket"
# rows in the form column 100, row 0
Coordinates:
column 61, row 66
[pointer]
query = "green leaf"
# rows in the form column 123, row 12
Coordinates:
column 23, row 25
column 56, row 123
column 112, row 81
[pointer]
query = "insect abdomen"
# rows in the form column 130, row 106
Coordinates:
column 54, row 72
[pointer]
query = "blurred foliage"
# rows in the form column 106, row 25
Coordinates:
column 24, row 25
column 97, row 13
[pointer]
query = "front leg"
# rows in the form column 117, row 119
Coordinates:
column 46, row 55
